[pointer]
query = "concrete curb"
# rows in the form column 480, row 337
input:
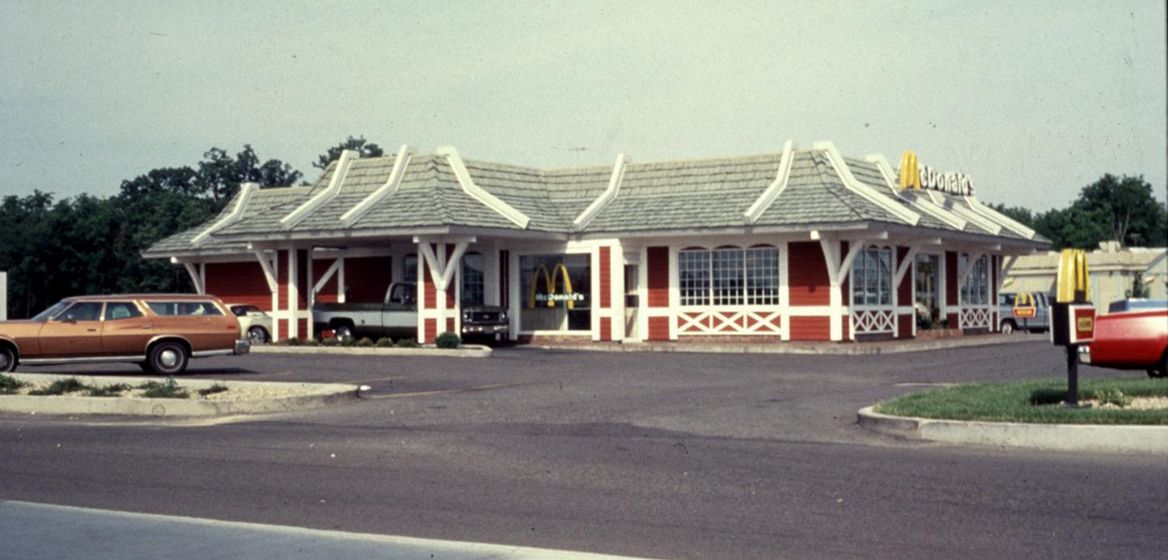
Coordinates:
column 808, row 348
column 465, row 351
column 1151, row 440
column 313, row 395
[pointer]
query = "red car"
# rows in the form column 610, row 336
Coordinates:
column 1134, row 337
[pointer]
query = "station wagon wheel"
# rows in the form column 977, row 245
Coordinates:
column 1007, row 327
column 168, row 358
column 7, row 359
column 257, row 335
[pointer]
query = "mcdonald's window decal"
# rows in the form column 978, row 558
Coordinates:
column 555, row 291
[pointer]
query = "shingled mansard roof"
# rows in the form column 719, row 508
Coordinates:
column 410, row 193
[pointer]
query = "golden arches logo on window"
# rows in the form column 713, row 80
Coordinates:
column 550, row 297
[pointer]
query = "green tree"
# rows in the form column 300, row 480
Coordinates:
column 1124, row 210
column 363, row 147
column 219, row 174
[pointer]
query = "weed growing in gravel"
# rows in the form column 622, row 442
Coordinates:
column 112, row 390
column 62, row 386
column 10, row 385
column 166, row 390
column 216, row 388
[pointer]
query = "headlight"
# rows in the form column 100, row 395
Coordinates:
column 503, row 316
column 466, row 315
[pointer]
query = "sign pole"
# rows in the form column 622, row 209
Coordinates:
column 1073, row 375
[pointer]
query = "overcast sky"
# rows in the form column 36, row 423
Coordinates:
column 1033, row 99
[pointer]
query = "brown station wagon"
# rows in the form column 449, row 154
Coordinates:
column 159, row 332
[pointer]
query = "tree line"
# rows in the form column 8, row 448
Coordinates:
column 90, row 245
column 53, row 248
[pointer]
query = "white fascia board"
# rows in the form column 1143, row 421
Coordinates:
column 776, row 187
column 927, row 206
column 404, row 154
column 851, row 183
column 476, row 192
column 241, row 200
column 334, row 187
column 614, row 183
column 1006, row 221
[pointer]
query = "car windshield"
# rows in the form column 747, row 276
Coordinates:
column 52, row 310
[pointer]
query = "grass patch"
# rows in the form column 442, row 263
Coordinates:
column 168, row 389
column 112, row 390
column 10, row 385
column 62, row 386
column 216, row 388
column 1034, row 401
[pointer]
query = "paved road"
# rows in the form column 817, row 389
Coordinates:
column 654, row 455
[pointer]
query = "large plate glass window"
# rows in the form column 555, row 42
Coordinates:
column 872, row 277
column 975, row 290
column 728, row 276
column 556, row 292
column 472, row 279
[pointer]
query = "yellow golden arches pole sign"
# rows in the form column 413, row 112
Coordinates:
column 1072, row 317
column 1024, row 306
column 560, row 271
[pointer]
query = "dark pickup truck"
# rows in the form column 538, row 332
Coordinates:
column 397, row 317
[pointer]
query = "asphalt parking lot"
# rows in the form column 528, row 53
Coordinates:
column 655, row 455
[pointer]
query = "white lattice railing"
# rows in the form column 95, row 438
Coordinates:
column 975, row 318
column 874, row 321
column 729, row 321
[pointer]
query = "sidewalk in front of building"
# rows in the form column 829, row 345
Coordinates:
column 837, row 348
column 52, row 532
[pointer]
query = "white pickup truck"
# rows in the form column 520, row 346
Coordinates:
column 397, row 317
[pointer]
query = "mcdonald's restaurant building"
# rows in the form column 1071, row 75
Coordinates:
column 806, row 244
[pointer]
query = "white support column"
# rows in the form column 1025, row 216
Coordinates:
column 3, row 296
column 197, row 279
column 341, row 280
column 616, row 288
column 643, row 295
column 491, row 288
column 514, row 304
column 831, row 255
column 594, row 282
column 269, row 268
column 293, row 294
column 785, row 289
column 674, row 291
column 311, row 298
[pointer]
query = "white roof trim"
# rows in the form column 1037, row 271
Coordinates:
column 985, row 223
column 1004, row 220
column 404, row 154
column 776, row 187
column 853, row 184
column 609, row 194
column 922, row 203
column 334, row 188
column 241, row 200
column 476, row 192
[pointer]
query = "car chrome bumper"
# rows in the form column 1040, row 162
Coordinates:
column 484, row 329
column 242, row 347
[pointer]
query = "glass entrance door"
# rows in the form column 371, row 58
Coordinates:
column 926, row 285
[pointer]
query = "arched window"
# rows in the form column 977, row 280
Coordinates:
column 871, row 277
column 472, row 279
column 728, row 276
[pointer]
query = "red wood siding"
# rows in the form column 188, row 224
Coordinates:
column 951, row 286
column 658, row 272
column 904, row 290
column 605, row 329
column 810, row 328
column 905, row 325
column 450, row 324
column 605, row 278
column 429, row 330
column 239, row 282
column 282, row 284
column 807, row 275
column 429, row 294
column 658, row 328
column 367, row 278
column 328, row 293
